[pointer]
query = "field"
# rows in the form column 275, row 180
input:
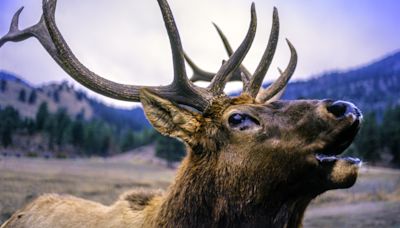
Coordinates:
column 373, row 202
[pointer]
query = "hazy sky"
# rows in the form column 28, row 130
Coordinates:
column 125, row 41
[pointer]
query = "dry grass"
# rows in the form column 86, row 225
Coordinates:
column 22, row 180
column 373, row 202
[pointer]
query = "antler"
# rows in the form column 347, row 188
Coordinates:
column 252, row 83
column 181, row 90
column 201, row 75
column 222, row 77
column 279, row 85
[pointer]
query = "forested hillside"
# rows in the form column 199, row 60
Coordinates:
column 26, row 98
column 373, row 87
column 58, row 119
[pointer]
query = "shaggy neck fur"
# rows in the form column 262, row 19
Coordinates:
column 194, row 200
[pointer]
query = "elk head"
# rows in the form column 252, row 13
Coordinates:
column 244, row 152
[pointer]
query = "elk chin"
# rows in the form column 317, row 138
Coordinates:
column 343, row 173
column 339, row 172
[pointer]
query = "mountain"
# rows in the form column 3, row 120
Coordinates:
column 372, row 87
column 12, row 77
column 26, row 98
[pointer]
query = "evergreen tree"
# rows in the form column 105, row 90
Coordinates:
column 22, row 95
column 77, row 133
column 62, row 123
column 56, row 96
column 367, row 141
column 50, row 128
column 29, row 125
column 106, row 143
column 169, row 149
column 128, row 141
column 391, row 132
column 98, row 138
column 10, row 121
column 3, row 85
column 41, row 116
column 32, row 97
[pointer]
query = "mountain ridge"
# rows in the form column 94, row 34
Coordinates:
column 373, row 87
column 24, row 97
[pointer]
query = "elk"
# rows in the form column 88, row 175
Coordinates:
column 252, row 160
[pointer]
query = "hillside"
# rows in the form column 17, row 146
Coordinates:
column 372, row 87
column 26, row 99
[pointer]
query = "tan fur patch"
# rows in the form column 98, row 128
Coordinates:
column 140, row 198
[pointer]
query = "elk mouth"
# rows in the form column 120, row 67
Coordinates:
column 325, row 159
column 331, row 153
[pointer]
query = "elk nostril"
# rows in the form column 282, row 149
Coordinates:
column 338, row 108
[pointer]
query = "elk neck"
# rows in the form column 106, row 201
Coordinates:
column 196, row 199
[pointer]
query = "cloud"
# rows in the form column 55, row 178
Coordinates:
column 125, row 41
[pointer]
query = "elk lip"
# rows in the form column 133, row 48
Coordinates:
column 326, row 159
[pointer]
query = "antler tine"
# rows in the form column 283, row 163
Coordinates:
column 262, row 68
column 218, row 83
column 14, row 34
column 237, row 74
column 184, row 91
column 202, row 75
column 198, row 74
column 279, row 85
column 180, row 76
column 225, row 41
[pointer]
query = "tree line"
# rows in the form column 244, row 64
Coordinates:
column 377, row 141
column 379, row 138
column 65, row 136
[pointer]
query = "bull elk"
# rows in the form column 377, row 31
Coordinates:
column 252, row 160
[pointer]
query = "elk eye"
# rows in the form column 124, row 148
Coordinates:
column 242, row 121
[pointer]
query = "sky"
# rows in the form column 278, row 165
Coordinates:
column 125, row 41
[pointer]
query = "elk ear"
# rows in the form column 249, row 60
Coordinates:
column 168, row 118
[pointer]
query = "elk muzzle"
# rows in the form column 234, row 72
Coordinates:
column 341, row 172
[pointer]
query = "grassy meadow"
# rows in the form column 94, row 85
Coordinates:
column 373, row 202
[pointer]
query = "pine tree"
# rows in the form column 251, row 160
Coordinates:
column 62, row 124
column 41, row 116
column 56, row 96
column 22, row 95
column 391, row 133
column 169, row 149
column 3, row 85
column 9, row 123
column 128, row 141
column 367, row 141
column 32, row 97
column 77, row 133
